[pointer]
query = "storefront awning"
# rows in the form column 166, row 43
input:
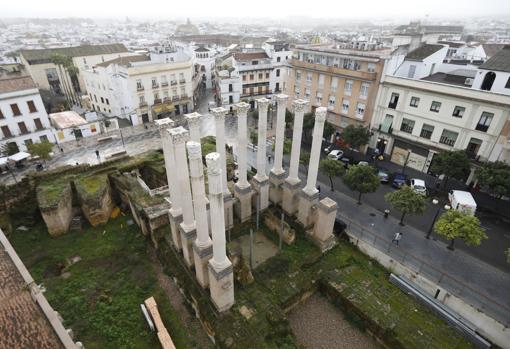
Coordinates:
column 19, row 156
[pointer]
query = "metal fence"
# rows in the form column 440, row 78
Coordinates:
column 454, row 286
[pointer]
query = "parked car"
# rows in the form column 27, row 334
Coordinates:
column 335, row 154
column 362, row 163
column 329, row 148
column 418, row 185
column 383, row 175
column 399, row 179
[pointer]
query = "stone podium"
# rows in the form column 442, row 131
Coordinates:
column 322, row 234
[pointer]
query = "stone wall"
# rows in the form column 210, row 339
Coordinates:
column 58, row 212
column 94, row 196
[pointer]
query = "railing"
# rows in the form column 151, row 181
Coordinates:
column 155, row 85
column 143, row 104
column 164, row 84
column 175, row 98
column 173, row 82
column 447, row 141
column 406, row 128
column 182, row 81
column 456, row 287
column 157, row 101
column 426, row 134
column 139, row 88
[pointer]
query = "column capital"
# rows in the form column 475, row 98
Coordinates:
column 179, row 135
column 194, row 150
column 320, row 114
column 262, row 103
column 164, row 124
column 213, row 163
column 193, row 119
column 219, row 113
column 299, row 105
column 281, row 98
column 242, row 108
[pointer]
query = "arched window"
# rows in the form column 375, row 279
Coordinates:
column 488, row 81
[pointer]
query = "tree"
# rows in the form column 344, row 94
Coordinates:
column 356, row 136
column 308, row 123
column 304, row 159
column 496, row 177
column 454, row 224
column 289, row 118
column 8, row 149
column 328, row 130
column 42, row 149
column 406, row 201
column 332, row 168
column 452, row 164
column 254, row 137
column 361, row 179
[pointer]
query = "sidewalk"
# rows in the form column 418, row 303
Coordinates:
column 478, row 283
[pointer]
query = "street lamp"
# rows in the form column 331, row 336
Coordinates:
column 446, row 207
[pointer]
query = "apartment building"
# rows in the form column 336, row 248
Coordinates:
column 344, row 80
column 416, row 119
column 23, row 119
column 56, row 80
column 142, row 88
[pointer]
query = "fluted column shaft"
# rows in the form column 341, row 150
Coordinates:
column 242, row 110
column 169, row 156
column 198, row 188
column 281, row 101
column 179, row 136
column 216, row 210
column 299, row 111
column 262, row 104
column 315, row 152
column 194, row 126
column 219, row 120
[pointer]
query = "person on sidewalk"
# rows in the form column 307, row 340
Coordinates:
column 396, row 238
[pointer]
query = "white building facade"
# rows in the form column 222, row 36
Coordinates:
column 416, row 119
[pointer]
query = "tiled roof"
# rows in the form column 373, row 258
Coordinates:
column 499, row 62
column 202, row 49
column 19, row 83
column 492, row 49
column 125, row 61
column 248, row 56
column 423, row 52
column 44, row 55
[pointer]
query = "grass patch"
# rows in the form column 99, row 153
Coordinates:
column 100, row 299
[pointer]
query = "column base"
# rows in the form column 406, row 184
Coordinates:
column 243, row 206
column 228, row 205
column 221, row 285
column 322, row 234
column 187, row 237
column 262, row 187
column 290, row 200
column 175, row 220
column 275, row 187
column 307, row 200
column 201, row 256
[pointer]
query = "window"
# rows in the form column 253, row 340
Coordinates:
column 371, row 67
column 230, row 99
column 321, row 81
column 181, row 78
column 260, row 76
column 307, row 93
column 393, row 101
column 156, row 97
column 154, row 82
column 448, row 137
column 458, row 111
column 230, row 88
column 435, row 106
column 6, row 131
column 412, row 71
column 507, row 85
column 107, row 101
column 31, row 107
column 102, row 100
column 414, row 102
column 15, row 109
column 331, row 102
column 296, row 91
column 28, row 142
column 164, row 82
column 318, row 98
column 139, row 85
column 363, row 90
column 38, row 124
column 141, row 99
column 277, row 72
column 334, row 84
column 183, row 90
column 95, row 98
column 22, row 128
column 407, row 125
column 348, row 87
column 360, row 110
column 298, row 75
column 278, row 59
column 308, row 77
column 386, row 125
column 244, row 77
column 426, row 131
column 485, row 122
column 345, row 106
column 267, row 75
column 252, row 76
column 43, row 138
column 473, row 147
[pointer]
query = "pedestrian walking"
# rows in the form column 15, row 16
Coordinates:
column 97, row 153
column 396, row 238
column 61, row 149
column 269, row 158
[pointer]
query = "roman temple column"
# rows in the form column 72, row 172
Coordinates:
column 242, row 189
column 187, row 227
column 310, row 195
column 219, row 120
column 261, row 181
column 292, row 183
column 175, row 212
column 277, row 174
column 194, row 126
column 221, row 276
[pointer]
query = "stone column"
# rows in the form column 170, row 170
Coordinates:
column 187, row 228
column 175, row 212
column 194, row 126
column 219, row 119
column 202, row 246
column 242, row 189
column 310, row 194
column 221, row 276
column 323, row 228
column 261, row 181
column 292, row 183
column 277, row 174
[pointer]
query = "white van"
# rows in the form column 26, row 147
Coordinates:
column 462, row 201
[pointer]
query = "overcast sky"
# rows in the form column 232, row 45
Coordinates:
column 255, row 8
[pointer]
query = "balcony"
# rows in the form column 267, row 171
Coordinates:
column 406, row 128
column 426, row 134
column 157, row 101
column 447, row 141
column 184, row 96
column 167, row 99
column 139, row 88
column 173, row 82
column 143, row 105
column 182, row 81
column 155, row 86
column 333, row 70
column 164, row 84
column 175, row 98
